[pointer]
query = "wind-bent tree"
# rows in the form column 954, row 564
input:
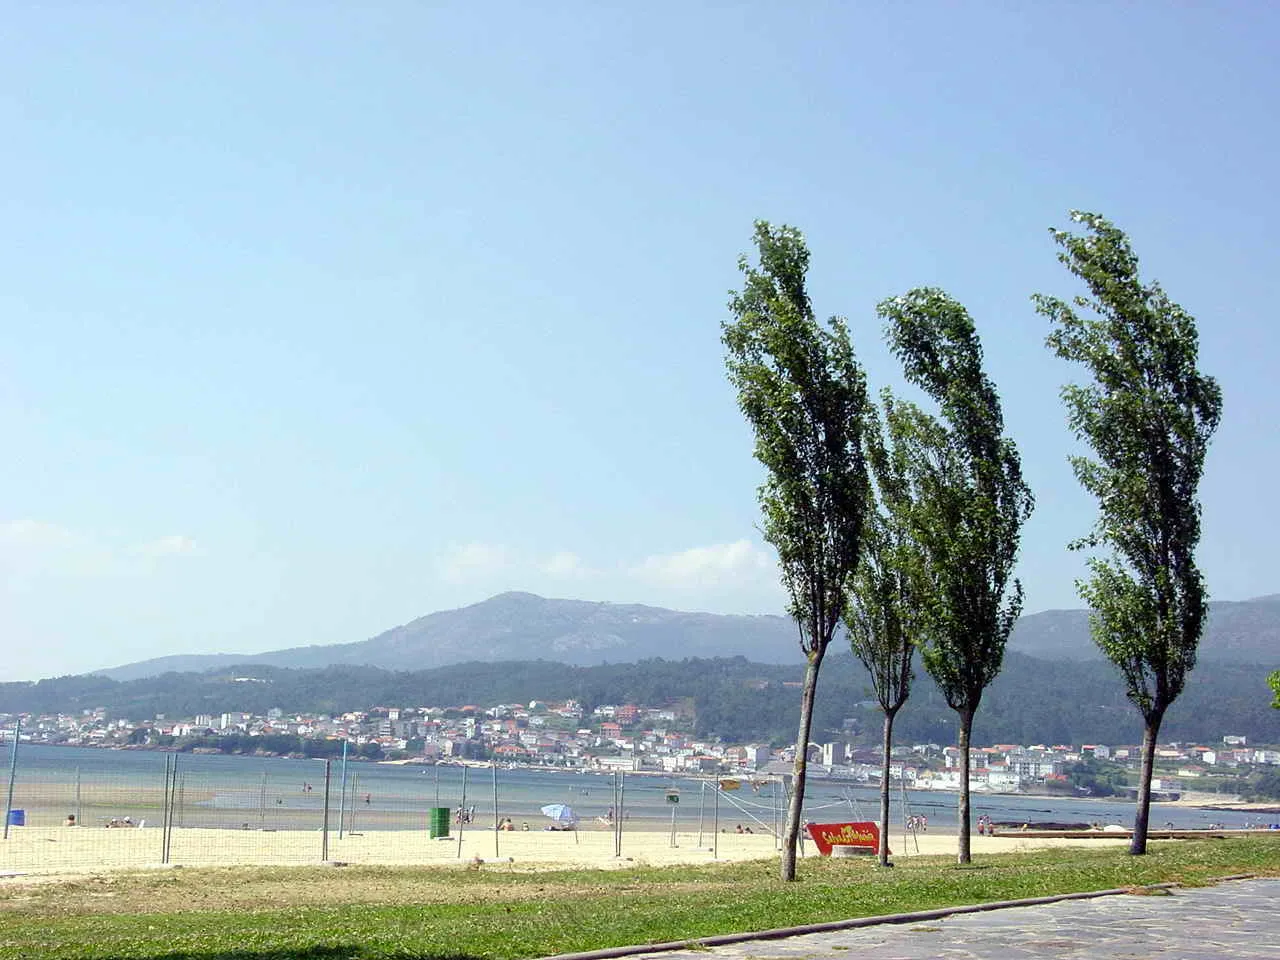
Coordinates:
column 805, row 395
column 963, row 506
column 1148, row 415
column 881, row 609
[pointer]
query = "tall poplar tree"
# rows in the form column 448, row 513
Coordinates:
column 804, row 394
column 963, row 506
column 1148, row 415
column 882, row 607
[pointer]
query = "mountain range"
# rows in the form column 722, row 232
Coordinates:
column 523, row 626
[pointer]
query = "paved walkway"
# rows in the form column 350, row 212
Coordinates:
column 1235, row 920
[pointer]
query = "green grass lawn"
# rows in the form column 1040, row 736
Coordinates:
column 321, row 913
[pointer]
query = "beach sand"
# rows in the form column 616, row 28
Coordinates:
column 90, row 849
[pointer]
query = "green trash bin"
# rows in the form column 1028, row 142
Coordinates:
column 438, row 821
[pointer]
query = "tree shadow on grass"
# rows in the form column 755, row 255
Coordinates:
column 347, row 952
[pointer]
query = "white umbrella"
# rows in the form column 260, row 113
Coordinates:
column 561, row 813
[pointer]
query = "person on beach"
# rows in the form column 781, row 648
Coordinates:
column 70, row 821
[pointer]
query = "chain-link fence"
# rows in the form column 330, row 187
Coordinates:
column 74, row 809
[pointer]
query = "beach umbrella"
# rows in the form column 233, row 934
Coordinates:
column 561, row 813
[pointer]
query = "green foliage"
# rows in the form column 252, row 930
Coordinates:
column 277, row 744
column 1266, row 786
column 884, row 588
column 1098, row 778
column 804, row 394
column 1274, row 682
column 1148, row 415
column 961, row 497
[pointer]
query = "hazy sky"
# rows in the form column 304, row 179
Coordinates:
column 315, row 318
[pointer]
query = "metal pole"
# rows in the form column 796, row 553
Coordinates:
column 437, row 783
column 462, row 811
column 173, row 803
column 351, row 812
column 342, row 797
column 904, row 817
column 13, row 772
column 495, row 806
column 622, row 804
column 702, row 807
column 79, row 808
column 262, row 801
column 617, row 818
column 777, row 818
column 715, row 824
column 672, row 842
column 164, row 811
column 324, row 828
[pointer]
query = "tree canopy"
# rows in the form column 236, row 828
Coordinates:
column 962, row 501
column 805, row 396
column 1148, row 415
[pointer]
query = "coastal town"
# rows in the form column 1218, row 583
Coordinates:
column 647, row 739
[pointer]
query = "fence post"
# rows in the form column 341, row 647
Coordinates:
column 164, row 811
column 715, row 823
column 622, row 805
column 462, row 811
column 702, row 808
column 13, row 772
column 173, row 804
column 342, row 794
column 324, row 829
column 495, row 806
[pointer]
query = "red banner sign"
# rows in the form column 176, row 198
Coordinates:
column 828, row 835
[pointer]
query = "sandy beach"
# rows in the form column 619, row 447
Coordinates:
column 1222, row 801
column 77, row 850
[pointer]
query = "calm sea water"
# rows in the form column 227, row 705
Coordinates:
column 216, row 790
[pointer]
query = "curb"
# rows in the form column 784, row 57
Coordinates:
column 780, row 933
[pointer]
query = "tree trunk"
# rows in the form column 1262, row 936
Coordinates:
column 963, row 854
column 791, row 832
column 1142, row 816
column 884, row 788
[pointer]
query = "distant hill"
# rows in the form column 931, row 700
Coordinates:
column 1245, row 631
column 522, row 626
column 1032, row 701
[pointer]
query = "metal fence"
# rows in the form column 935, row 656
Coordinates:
column 94, row 809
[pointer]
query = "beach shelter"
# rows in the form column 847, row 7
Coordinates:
column 562, row 814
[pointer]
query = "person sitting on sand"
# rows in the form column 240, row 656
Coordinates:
column 739, row 829
column 70, row 821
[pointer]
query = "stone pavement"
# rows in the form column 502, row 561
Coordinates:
column 1235, row 920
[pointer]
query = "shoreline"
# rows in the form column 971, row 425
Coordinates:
column 54, row 851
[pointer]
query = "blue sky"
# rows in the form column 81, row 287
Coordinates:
column 320, row 317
